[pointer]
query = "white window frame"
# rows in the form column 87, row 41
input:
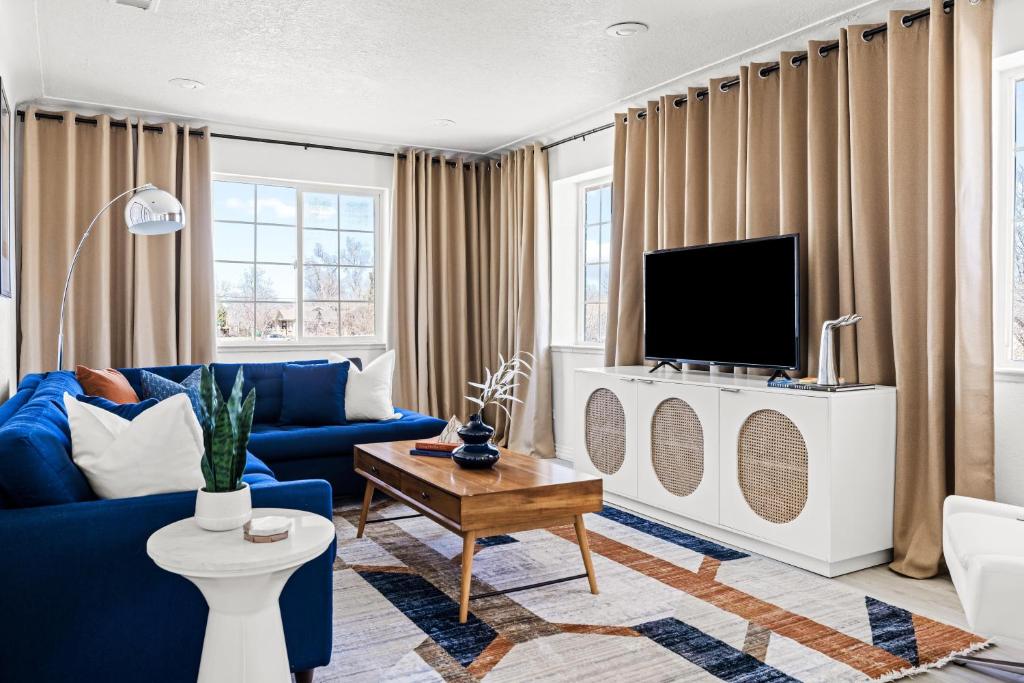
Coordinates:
column 1006, row 72
column 379, row 196
column 581, row 257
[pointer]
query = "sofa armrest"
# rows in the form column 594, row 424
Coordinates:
column 956, row 504
column 79, row 588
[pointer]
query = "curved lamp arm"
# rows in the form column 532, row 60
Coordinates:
column 71, row 269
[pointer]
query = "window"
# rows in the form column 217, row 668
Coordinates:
column 1016, row 151
column 596, row 235
column 265, row 291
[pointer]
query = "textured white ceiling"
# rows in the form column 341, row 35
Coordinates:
column 383, row 70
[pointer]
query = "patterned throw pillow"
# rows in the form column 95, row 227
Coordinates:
column 155, row 386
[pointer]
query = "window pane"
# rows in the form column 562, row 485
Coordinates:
column 1017, row 346
column 591, row 322
column 606, row 242
column 593, row 207
column 356, row 284
column 592, row 251
column 233, row 241
column 233, row 201
column 275, row 204
column 357, row 248
column 275, row 282
column 356, row 320
column 606, row 204
column 276, row 243
column 234, row 280
column 591, row 287
column 234, row 320
column 275, row 321
column 603, row 292
column 320, row 210
column 356, row 212
column 320, row 319
column 320, row 282
column 320, row 246
column 1019, row 114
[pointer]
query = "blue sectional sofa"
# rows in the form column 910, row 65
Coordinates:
column 82, row 600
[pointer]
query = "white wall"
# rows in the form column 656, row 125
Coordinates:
column 19, row 69
column 284, row 162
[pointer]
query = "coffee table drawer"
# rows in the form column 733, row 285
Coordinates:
column 431, row 497
column 386, row 473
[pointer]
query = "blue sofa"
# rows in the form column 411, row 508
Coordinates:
column 83, row 601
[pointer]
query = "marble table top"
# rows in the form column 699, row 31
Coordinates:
column 184, row 548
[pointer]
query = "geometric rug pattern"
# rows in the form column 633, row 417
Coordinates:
column 673, row 607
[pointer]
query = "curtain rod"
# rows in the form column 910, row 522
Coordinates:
column 763, row 72
column 227, row 136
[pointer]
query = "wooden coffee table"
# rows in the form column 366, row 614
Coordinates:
column 520, row 493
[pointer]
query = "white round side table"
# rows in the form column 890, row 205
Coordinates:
column 241, row 582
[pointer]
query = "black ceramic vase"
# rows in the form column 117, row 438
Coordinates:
column 476, row 452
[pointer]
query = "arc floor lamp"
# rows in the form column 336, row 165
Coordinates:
column 150, row 211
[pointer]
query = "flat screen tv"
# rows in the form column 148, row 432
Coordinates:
column 731, row 303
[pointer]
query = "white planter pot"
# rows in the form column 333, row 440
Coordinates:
column 223, row 511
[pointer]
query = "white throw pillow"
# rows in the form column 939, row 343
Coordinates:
column 368, row 392
column 157, row 452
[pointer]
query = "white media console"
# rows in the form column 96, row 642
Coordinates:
column 804, row 477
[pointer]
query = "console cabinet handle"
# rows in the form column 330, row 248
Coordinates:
column 731, row 390
column 646, row 381
column 628, row 379
column 424, row 495
column 373, row 468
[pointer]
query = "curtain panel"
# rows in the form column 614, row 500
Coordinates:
column 133, row 300
column 470, row 280
column 878, row 154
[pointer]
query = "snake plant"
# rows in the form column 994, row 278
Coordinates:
column 226, row 426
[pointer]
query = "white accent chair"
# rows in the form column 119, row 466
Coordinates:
column 983, row 543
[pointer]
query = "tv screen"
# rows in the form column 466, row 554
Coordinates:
column 733, row 303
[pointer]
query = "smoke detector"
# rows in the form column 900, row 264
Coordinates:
column 144, row 5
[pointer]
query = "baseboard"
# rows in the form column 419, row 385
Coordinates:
column 563, row 452
column 825, row 568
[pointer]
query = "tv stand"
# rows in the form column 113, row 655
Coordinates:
column 678, row 367
column 779, row 374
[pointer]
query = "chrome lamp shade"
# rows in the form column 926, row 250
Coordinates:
column 153, row 211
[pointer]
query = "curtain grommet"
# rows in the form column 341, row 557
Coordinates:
column 906, row 21
column 761, row 73
column 723, row 87
column 822, row 52
column 794, row 62
column 641, row 115
column 678, row 102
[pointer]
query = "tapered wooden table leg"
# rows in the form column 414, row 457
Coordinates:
column 367, row 498
column 581, row 538
column 468, row 545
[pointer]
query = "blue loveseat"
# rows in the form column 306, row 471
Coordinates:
column 82, row 600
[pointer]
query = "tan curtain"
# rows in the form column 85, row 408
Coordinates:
column 133, row 300
column 470, row 280
column 877, row 153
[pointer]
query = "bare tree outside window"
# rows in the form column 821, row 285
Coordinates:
column 595, row 230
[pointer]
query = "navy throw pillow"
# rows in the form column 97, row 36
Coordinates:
column 155, row 386
column 128, row 411
column 314, row 394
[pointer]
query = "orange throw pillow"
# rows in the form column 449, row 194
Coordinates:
column 109, row 383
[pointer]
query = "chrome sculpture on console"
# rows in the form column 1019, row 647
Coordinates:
column 828, row 372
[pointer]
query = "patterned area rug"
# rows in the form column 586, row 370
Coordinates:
column 672, row 607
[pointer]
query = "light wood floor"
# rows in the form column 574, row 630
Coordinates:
column 933, row 598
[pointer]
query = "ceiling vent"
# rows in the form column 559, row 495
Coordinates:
column 144, row 5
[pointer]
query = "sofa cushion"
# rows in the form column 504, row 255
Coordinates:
column 160, row 388
column 296, row 442
column 109, row 383
column 254, row 465
column 35, row 449
column 127, row 411
column 314, row 394
column 265, row 378
column 175, row 373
